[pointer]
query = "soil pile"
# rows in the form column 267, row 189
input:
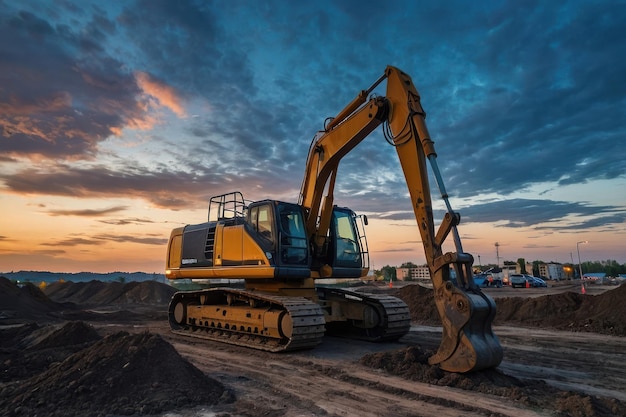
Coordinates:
column 421, row 302
column 64, row 300
column 28, row 302
column 603, row 313
column 412, row 363
column 98, row 293
column 30, row 349
column 121, row 374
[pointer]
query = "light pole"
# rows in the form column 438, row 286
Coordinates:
column 580, row 266
column 497, row 254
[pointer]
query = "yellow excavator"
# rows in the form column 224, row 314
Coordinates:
column 282, row 251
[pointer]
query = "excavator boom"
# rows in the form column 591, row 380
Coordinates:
column 468, row 341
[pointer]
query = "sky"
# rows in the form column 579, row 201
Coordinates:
column 120, row 119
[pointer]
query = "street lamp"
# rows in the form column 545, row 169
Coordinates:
column 580, row 266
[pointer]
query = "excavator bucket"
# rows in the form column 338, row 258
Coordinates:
column 468, row 343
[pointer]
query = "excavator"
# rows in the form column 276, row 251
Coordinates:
column 283, row 252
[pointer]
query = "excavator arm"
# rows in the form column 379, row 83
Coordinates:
column 468, row 342
column 340, row 136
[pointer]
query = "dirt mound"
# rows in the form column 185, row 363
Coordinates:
column 98, row 293
column 421, row 302
column 26, row 302
column 30, row 349
column 412, row 363
column 147, row 292
column 601, row 313
column 84, row 293
column 71, row 334
column 64, row 300
column 121, row 374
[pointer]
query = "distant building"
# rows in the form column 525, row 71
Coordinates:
column 403, row 274
column 507, row 270
column 529, row 269
column 413, row 274
column 552, row 270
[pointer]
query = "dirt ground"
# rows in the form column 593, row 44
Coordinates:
column 95, row 349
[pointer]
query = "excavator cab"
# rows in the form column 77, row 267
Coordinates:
column 241, row 239
column 278, row 227
column 265, row 239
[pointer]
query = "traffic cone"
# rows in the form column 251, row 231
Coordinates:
column 582, row 288
column 527, row 284
column 390, row 284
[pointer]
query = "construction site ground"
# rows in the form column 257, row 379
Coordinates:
column 105, row 349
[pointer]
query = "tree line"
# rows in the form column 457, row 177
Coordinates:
column 610, row 267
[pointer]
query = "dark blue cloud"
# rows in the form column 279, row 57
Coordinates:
column 543, row 214
column 517, row 94
column 60, row 93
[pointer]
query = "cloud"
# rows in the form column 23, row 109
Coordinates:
column 156, row 240
column 539, row 214
column 62, row 92
column 124, row 222
column 535, row 246
column 164, row 94
column 101, row 239
column 74, row 241
column 544, row 214
column 515, row 96
column 396, row 250
column 546, row 110
column 168, row 189
column 54, row 102
column 171, row 189
column 49, row 252
column 194, row 52
column 87, row 212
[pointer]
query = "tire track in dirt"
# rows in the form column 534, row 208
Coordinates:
column 298, row 383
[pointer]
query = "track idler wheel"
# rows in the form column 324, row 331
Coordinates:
column 180, row 313
column 468, row 343
column 285, row 325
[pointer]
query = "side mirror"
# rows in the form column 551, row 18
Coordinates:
column 364, row 219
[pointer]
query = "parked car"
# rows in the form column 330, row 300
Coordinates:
column 538, row 282
column 487, row 280
column 524, row 281
column 520, row 280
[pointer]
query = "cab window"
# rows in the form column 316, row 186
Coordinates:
column 294, row 248
column 347, row 251
column 261, row 220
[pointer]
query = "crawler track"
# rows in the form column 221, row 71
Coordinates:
column 260, row 321
column 393, row 316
